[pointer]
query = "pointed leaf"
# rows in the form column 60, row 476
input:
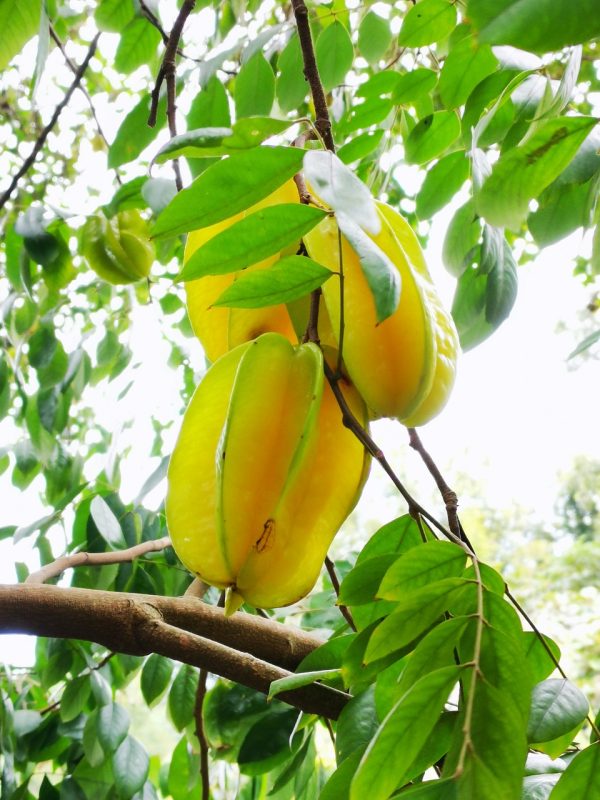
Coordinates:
column 182, row 696
column 582, row 776
column 413, row 85
column 18, row 23
column 291, row 86
column 431, row 136
column 335, row 53
column 130, row 767
column 557, row 707
column 301, row 679
column 374, row 37
column 106, row 522
column 254, row 89
column 466, row 66
column 112, row 724
column 228, row 187
column 362, row 582
column 156, row 674
column 422, row 566
column 288, row 279
column 427, row 22
column 441, row 183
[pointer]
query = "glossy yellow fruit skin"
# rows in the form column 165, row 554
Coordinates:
column 263, row 473
column 118, row 249
column 221, row 329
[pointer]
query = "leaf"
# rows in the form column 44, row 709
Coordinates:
column 288, row 279
column 585, row 344
column 538, row 787
column 18, row 23
column 582, row 776
column 401, row 736
column 431, row 136
column 134, row 133
column 335, row 53
column 413, row 85
column 74, row 698
column 182, row 696
column 557, row 707
column 112, row 724
column 252, row 239
column 155, row 677
column 501, row 290
column 356, row 725
column 158, row 193
column 566, row 86
column 441, row 183
column 362, row 582
column 374, row 37
column 339, row 188
column 267, row 743
column 227, row 187
column 540, row 663
column 443, row 789
column 106, row 522
column 130, row 766
column 137, row 46
column 153, row 480
column 254, row 89
column 338, row 784
column 422, row 566
column 427, row 22
column 523, row 172
column 397, row 536
column 561, row 210
column 536, row 25
column 359, row 147
column 301, row 679
column 466, row 66
column 113, row 15
column 42, row 50
column 381, row 273
column 291, row 85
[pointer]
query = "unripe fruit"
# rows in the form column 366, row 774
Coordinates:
column 263, row 473
column 220, row 329
column 403, row 367
column 118, row 249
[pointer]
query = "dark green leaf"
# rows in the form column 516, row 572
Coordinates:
column 356, row 725
column 361, row 584
column 466, row 66
column 74, row 698
column 582, row 777
column 431, row 136
column 422, row 566
column 427, row 22
column 374, row 37
column 441, row 183
column 112, row 724
column 381, row 273
column 252, row 239
column 537, row 25
column 182, row 696
column 562, row 209
column 523, row 172
column 134, row 134
column 402, row 734
column 254, row 89
column 557, row 707
column 227, row 187
column 267, row 743
column 288, row 279
column 338, row 785
column 291, row 84
column 137, row 46
column 335, row 54
column 130, row 765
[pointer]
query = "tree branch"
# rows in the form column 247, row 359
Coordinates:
column 247, row 649
column 97, row 559
column 41, row 140
column 345, row 611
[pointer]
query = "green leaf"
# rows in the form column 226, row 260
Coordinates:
column 356, row 725
column 291, row 86
column 401, row 735
column 252, row 239
column 106, row 522
column 523, row 172
column 134, row 134
column 441, row 183
column 267, row 743
column 18, row 23
column 301, row 679
column 112, row 724
column 540, row 663
column 431, row 136
column 422, row 566
column 113, row 15
column 585, row 344
column 444, row 789
column 582, row 776
column 397, row 536
column 359, row 147
column 466, row 66
column 210, row 107
column 374, row 37
column 413, row 85
column 381, row 273
column 137, row 45
column 182, row 696
column 339, row 187
column 130, row 766
column 182, row 776
column 228, row 187
column 254, row 89
column 427, row 22
column 501, row 291
column 335, row 53
column 536, row 25
column 338, row 784
column 361, row 584
column 74, row 698
column 557, row 707
column 561, row 210
column 288, row 279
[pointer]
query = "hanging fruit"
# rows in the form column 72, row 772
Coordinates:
column 118, row 249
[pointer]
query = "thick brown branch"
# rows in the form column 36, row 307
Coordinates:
column 311, row 72
column 63, row 563
column 249, row 650
column 40, row 141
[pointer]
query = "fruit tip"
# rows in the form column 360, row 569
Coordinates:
column 233, row 601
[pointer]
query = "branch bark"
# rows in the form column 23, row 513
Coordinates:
column 250, row 650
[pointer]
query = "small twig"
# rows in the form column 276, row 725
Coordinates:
column 197, row 588
column 153, row 20
column 311, row 72
column 448, row 495
column 200, row 733
column 336, row 588
column 41, row 140
column 63, row 563
column 311, row 334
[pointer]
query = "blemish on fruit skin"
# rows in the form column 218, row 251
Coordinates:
column 266, row 538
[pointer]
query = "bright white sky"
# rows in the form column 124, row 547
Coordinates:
column 517, row 417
